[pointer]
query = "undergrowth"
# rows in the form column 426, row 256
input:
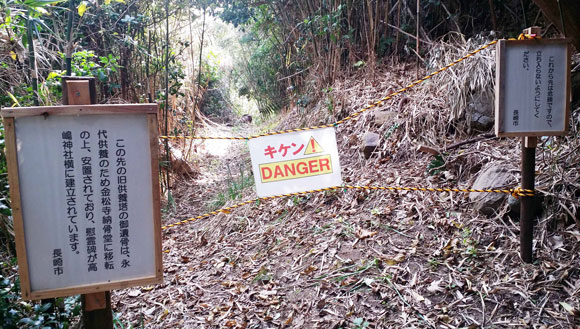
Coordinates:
column 15, row 313
column 235, row 187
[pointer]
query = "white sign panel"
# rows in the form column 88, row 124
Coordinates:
column 295, row 162
column 87, row 200
column 532, row 87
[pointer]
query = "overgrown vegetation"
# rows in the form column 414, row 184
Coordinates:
column 280, row 54
column 14, row 313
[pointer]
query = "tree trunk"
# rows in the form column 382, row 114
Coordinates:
column 570, row 13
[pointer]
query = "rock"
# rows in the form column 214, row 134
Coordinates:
column 481, row 108
column 370, row 143
column 246, row 118
column 385, row 117
column 481, row 122
column 481, row 103
column 514, row 205
column 492, row 177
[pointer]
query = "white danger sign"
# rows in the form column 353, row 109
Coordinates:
column 532, row 87
column 295, row 162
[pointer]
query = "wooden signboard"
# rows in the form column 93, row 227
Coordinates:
column 85, row 197
column 532, row 87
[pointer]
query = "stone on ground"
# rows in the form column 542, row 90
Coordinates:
column 493, row 177
column 370, row 143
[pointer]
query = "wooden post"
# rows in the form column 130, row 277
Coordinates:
column 97, row 311
column 528, row 172
column 527, row 205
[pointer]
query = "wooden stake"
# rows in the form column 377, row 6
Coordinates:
column 97, row 311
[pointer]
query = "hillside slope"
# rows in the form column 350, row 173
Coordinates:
column 364, row 259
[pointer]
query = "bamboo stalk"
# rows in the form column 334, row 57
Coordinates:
column 166, row 107
column 398, row 27
column 32, row 60
column 69, row 46
column 493, row 19
column 418, row 40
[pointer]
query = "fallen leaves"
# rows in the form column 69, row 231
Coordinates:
column 361, row 233
column 394, row 260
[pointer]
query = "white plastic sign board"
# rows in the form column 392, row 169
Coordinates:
column 532, row 87
column 84, row 186
column 295, row 162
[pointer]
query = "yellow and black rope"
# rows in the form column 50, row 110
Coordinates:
column 517, row 192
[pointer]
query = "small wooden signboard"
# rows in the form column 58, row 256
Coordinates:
column 84, row 184
column 532, row 87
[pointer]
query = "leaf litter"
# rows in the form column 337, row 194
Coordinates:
column 360, row 259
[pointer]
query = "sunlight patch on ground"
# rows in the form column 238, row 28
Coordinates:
column 217, row 147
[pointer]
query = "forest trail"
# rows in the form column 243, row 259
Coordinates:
column 346, row 258
column 350, row 259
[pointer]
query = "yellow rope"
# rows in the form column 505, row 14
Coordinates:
column 517, row 192
column 355, row 114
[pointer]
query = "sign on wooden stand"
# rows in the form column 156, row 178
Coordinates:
column 532, row 99
column 85, row 196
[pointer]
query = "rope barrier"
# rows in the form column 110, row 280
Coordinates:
column 357, row 113
column 516, row 192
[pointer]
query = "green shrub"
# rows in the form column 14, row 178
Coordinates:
column 15, row 313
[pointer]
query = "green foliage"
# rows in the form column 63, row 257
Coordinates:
column 28, row 14
column 235, row 188
column 15, row 313
column 86, row 63
column 263, row 276
column 4, row 203
column 360, row 323
column 213, row 103
column 391, row 129
column 384, row 45
column 210, row 74
column 436, row 165
column 329, row 100
column 236, row 12
column 6, row 226
column 118, row 322
column 52, row 85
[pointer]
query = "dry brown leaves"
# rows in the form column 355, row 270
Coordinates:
column 357, row 259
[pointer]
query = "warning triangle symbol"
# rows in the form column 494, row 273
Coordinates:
column 313, row 147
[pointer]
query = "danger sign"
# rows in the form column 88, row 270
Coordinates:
column 295, row 162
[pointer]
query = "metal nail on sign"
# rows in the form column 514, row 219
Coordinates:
column 532, row 87
column 295, row 162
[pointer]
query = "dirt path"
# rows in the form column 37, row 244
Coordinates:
column 355, row 259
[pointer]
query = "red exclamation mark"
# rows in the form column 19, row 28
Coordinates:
column 312, row 143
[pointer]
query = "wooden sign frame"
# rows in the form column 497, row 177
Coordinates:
column 500, row 95
column 10, row 116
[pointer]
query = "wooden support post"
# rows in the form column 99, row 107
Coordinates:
column 97, row 311
column 527, row 205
